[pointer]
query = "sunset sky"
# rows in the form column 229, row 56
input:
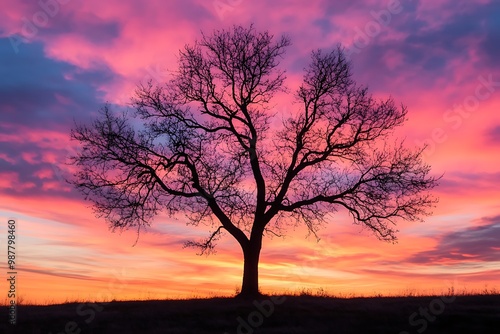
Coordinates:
column 61, row 60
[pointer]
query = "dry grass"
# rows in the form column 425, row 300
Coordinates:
column 304, row 312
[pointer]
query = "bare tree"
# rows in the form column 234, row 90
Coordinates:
column 207, row 143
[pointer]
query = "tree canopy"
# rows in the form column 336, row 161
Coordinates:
column 211, row 144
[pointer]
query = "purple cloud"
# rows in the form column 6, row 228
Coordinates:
column 477, row 243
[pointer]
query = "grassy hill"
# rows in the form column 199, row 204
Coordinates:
column 278, row 314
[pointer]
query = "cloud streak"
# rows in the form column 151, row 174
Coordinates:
column 473, row 244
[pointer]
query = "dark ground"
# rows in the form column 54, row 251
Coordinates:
column 290, row 314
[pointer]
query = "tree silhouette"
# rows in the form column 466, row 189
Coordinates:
column 209, row 143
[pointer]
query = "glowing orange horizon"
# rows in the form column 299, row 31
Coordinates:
column 92, row 52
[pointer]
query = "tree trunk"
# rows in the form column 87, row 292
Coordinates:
column 250, row 285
